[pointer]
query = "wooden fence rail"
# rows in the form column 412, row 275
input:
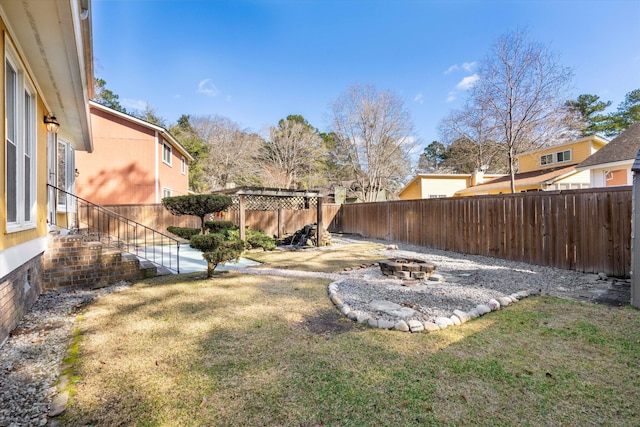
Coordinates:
column 157, row 217
column 584, row 230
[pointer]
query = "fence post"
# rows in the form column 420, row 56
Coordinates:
column 635, row 226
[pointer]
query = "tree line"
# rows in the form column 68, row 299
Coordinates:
column 368, row 147
column 518, row 103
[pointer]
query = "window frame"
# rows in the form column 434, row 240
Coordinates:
column 167, row 148
column 546, row 159
column 563, row 152
column 183, row 165
column 167, row 192
column 64, row 202
column 25, row 130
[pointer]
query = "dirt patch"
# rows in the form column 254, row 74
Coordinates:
column 328, row 322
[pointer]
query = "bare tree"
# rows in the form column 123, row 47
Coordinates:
column 291, row 156
column 231, row 151
column 522, row 87
column 470, row 137
column 376, row 137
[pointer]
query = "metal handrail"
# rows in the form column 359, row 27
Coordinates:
column 107, row 226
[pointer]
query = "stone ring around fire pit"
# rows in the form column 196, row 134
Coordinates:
column 410, row 270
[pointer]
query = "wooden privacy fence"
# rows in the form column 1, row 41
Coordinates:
column 584, row 230
column 157, row 217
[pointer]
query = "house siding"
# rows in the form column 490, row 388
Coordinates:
column 598, row 175
column 126, row 165
column 8, row 240
column 121, row 168
column 172, row 176
column 580, row 150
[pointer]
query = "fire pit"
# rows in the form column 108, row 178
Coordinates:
column 407, row 269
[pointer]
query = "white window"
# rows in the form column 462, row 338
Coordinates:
column 66, row 176
column 563, row 156
column 166, row 192
column 183, row 165
column 20, row 145
column 166, row 153
column 546, row 159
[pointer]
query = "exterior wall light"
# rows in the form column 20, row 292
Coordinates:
column 52, row 123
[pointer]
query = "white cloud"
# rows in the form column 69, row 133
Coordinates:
column 451, row 96
column 419, row 99
column 228, row 98
column 466, row 66
column 207, row 87
column 468, row 82
column 134, row 104
column 452, row 69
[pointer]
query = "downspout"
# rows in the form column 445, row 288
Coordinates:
column 157, row 168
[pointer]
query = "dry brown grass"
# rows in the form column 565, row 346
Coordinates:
column 321, row 260
column 265, row 350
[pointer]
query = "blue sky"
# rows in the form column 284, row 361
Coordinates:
column 256, row 62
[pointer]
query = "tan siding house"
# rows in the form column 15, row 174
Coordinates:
column 430, row 186
column 134, row 162
column 546, row 169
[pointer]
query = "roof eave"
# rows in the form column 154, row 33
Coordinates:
column 54, row 38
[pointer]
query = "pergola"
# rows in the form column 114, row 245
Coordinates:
column 270, row 199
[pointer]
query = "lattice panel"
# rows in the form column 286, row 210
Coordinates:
column 273, row 203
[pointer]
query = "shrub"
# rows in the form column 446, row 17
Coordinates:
column 219, row 226
column 217, row 249
column 258, row 239
column 198, row 205
column 183, row 232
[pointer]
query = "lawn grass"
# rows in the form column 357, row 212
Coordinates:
column 248, row 350
column 323, row 261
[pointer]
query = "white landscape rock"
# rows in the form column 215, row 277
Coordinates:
column 464, row 317
column 504, row 301
column 443, row 322
column 456, row 320
column 401, row 326
column 483, row 309
column 415, row 326
column 385, row 324
column 430, row 326
column 493, row 304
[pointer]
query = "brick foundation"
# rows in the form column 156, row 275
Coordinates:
column 18, row 291
column 72, row 261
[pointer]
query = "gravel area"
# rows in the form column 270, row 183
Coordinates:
column 467, row 280
column 30, row 359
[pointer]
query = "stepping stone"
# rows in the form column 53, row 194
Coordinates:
column 393, row 309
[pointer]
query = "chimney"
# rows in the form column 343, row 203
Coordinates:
column 477, row 177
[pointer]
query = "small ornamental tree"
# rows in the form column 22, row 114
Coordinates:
column 198, row 205
column 217, row 249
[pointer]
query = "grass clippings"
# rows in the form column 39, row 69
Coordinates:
column 273, row 351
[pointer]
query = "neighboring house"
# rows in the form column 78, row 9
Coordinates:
column 546, row 169
column 133, row 162
column 431, row 186
column 347, row 192
column 47, row 71
column 611, row 166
